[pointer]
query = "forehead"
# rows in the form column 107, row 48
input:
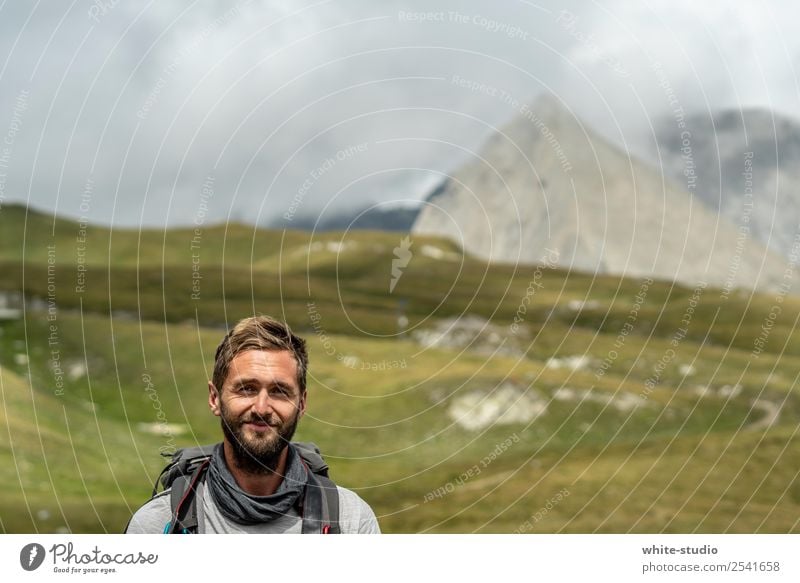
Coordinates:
column 265, row 366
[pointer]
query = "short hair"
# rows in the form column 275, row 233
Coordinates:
column 259, row 333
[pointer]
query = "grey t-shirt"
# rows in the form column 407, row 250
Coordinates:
column 355, row 517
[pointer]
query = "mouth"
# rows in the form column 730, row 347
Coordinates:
column 260, row 426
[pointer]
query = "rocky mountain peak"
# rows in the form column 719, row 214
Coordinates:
column 546, row 185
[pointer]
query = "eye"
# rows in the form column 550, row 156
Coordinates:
column 280, row 392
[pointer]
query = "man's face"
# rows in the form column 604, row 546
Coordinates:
column 259, row 406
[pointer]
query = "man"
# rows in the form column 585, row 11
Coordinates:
column 256, row 480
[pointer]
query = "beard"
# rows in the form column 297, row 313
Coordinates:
column 257, row 453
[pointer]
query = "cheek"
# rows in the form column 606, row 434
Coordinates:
column 227, row 409
column 290, row 411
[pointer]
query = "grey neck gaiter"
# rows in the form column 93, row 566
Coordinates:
column 243, row 508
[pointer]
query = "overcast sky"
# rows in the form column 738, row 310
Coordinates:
column 172, row 112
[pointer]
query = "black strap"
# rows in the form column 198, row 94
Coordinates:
column 183, row 501
column 320, row 506
column 332, row 503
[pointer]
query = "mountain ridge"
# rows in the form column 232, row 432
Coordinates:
column 748, row 169
column 546, row 181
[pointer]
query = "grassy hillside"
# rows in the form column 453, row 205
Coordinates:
column 563, row 403
column 65, row 467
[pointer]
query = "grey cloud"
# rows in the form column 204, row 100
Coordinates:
column 262, row 94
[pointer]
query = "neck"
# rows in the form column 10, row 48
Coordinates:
column 256, row 484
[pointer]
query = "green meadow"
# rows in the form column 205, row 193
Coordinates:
column 470, row 398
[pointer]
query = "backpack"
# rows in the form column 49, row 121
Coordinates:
column 318, row 505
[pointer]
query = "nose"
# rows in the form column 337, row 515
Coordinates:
column 262, row 404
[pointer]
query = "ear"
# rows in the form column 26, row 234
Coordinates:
column 213, row 399
column 302, row 406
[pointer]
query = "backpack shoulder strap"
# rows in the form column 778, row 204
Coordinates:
column 320, row 506
column 331, row 501
column 182, row 462
column 320, row 503
column 183, row 501
column 312, row 457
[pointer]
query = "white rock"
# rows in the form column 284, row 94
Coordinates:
column 76, row 370
column 577, row 362
column 564, row 394
column 162, row 429
column 433, row 252
column 729, row 390
column 621, row 400
column 351, row 361
column 504, row 405
column 701, row 390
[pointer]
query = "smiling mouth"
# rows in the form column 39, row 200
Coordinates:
column 260, row 425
